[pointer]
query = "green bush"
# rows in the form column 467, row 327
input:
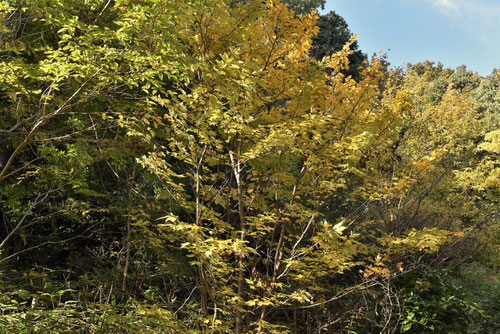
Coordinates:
column 434, row 302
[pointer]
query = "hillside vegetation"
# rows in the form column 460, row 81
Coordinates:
column 238, row 167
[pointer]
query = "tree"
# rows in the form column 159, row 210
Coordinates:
column 305, row 6
column 333, row 35
column 254, row 159
column 228, row 179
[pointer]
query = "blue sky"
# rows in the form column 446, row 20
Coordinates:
column 454, row 32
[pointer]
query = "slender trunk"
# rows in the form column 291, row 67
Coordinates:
column 295, row 318
column 128, row 239
column 127, row 256
column 241, row 265
column 279, row 249
column 203, row 290
column 201, row 271
column 308, row 322
column 277, row 262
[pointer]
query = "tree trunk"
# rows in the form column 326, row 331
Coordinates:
column 241, row 265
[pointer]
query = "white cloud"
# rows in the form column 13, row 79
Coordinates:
column 445, row 4
column 484, row 12
column 480, row 17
